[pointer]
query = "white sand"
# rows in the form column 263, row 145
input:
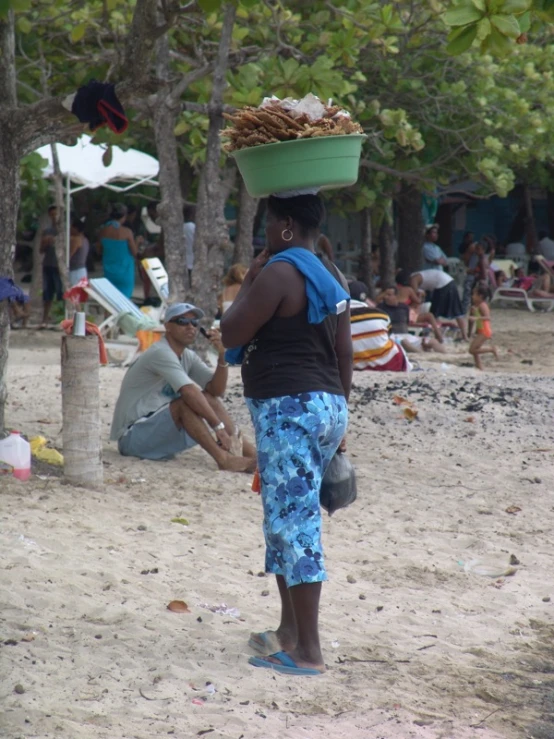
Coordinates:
column 416, row 647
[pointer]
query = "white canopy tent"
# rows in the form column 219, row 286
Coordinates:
column 83, row 168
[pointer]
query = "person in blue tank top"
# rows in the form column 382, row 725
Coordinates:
column 119, row 251
column 290, row 322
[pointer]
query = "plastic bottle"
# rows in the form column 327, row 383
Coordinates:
column 16, row 452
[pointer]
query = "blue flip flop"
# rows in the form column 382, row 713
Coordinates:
column 265, row 643
column 285, row 665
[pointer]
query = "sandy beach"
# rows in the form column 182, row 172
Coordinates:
column 425, row 634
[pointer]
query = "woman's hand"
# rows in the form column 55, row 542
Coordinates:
column 342, row 445
column 257, row 264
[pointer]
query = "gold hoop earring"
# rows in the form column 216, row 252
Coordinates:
column 290, row 235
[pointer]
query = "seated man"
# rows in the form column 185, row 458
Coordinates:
column 169, row 399
column 399, row 315
column 371, row 342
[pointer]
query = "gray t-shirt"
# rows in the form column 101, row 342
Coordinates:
column 153, row 381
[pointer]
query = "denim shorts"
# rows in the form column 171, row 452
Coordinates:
column 51, row 284
column 296, row 438
column 155, row 437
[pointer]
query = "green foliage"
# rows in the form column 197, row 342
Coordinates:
column 495, row 24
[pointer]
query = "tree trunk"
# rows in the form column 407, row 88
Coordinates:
column 410, row 228
column 36, row 279
column 365, row 271
column 530, row 225
column 212, row 235
column 550, row 212
column 60, row 243
column 248, row 207
column 171, row 205
column 82, row 445
column 170, row 208
column 9, row 189
column 260, row 215
column 387, row 261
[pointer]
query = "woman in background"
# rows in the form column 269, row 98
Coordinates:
column 118, row 250
column 231, row 285
column 78, row 252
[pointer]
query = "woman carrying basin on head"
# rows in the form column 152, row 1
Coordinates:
column 292, row 319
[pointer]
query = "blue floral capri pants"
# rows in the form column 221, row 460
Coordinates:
column 296, row 438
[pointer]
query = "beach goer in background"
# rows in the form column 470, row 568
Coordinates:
column 297, row 372
column 471, row 260
column 467, row 240
column 399, row 315
column 542, row 282
column 523, row 281
column 414, row 299
column 323, row 246
column 189, row 232
column 170, row 400
column 445, row 301
column 51, row 280
column 372, row 345
column 231, row 286
column 433, row 255
column 480, row 318
column 501, row 279
column 118, row 250
column 78, row 252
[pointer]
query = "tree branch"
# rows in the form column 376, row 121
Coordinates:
column 408, row 176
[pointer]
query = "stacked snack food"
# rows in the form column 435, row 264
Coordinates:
column 276, row 121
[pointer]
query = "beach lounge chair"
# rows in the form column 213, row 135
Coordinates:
column 158, row 277
column 112, row 300
column 508, row 266
column 519, row 296
column 457, row 270
column 117, row 305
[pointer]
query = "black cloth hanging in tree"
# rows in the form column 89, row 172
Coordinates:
column 96, row 104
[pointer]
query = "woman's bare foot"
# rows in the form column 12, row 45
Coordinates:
column 494, row 351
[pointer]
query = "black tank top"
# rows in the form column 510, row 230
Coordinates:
column 289, row 356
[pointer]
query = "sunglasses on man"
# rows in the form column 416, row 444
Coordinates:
column 180, row 321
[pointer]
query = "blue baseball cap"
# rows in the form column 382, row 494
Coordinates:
column 179, row 309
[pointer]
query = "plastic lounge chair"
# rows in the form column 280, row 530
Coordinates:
column 456, row 270
column 116, row 304
column 519, row 296
column 158, row 277
column 508, row 266
column 112, row 300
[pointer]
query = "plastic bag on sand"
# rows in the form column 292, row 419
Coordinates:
column 338, row 487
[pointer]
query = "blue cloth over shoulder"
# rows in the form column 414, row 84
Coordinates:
column 10, row 291
column 325, row 294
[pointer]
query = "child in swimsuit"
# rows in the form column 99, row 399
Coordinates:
column 480, row 318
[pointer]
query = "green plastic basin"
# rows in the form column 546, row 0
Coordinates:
column 325, row 162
